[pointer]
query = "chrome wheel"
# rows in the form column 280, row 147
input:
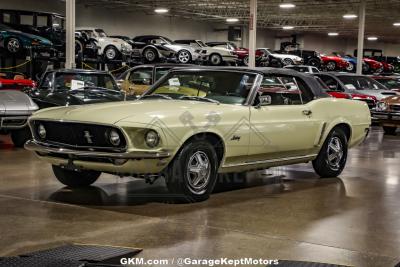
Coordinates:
column 350, row 67
column 150, row 55
column 335, row 153
column 287, row 62
column 198, row 172
column 331, row 66
column 111, row 53
column 184, row 56
column 13, row 45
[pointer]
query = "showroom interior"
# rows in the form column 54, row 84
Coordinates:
column 200, row 133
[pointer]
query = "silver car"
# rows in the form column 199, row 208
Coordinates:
column 15, row 108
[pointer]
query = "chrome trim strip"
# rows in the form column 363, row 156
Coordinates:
column 268, row 161
column 34, row 146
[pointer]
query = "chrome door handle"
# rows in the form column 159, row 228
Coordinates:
column 307, row 112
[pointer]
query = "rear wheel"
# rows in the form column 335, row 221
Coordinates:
column 314, row 62
column 350, row 67
column 111, row 52
column 389, row 130
column 150, row 55
column 332, row 157
column 20, row 136
column 184, row 56
column 75, row 179
column 193, row 172
column 287, row 62
column 366, row 68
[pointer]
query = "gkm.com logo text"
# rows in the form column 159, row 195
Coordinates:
column 200, row 262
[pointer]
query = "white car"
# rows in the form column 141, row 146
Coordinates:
column 110, row 48
column 285, row 58
column 213, row 55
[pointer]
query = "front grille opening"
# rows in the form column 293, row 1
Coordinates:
column 78, row 135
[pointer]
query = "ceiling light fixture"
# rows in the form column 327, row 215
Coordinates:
column 397, row 24
column 232, row 20
column 161, row 10
column 350, row 16
column 288, row 27
column 287, row 5
column 372, row 38
column 333, row 33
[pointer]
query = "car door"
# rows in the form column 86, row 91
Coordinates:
column 282, row 124
column 138, row 81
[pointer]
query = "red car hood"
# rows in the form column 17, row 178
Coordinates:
column 339, row 95
column 16, row 84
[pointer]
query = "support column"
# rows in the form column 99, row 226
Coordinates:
column 361, row 32
column 70, row 35
column 252, row 33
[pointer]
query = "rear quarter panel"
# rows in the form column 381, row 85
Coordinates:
column 333, row 111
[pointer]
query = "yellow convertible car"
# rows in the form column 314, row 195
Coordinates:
column 198, row 122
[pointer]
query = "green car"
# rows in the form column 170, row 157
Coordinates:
column 14, row 41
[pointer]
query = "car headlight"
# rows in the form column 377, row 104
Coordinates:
column 152, row 138
column 114, row 138
column 381, row 106
column 41, row 131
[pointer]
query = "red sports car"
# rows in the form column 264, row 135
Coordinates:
column 14, row 81
column 334, row 63
column 372, row 66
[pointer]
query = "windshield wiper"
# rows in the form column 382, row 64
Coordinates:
column 198, row 98
column 156, row 95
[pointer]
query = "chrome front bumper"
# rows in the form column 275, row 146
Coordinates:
column 48, row 149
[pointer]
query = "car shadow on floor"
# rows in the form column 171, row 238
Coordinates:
column 228, row 189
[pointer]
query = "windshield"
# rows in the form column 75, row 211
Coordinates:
column 74, row 81
column 201, row 44
column 390, row 83
column 232, row 46
column 161, row 72
column 58, row 23
column 101, row 33
column 222, row 86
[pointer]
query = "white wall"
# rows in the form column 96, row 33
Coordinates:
column 132, row 24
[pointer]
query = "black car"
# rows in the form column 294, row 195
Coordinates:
column 310, row 57
column 47, row 25
column 75, row 87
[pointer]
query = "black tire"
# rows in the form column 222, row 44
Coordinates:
column 315, row 63
column 331, row 66
column 110, row 52
column 366, row 68
column 179, row 179
column 150, row 55
column 20, row 136
column 389, row 130
column 13, row 45
column 75, row 179
column 78, row 47
column 326, row 168
column 287, row 62
column 215, row 59
column 184, row 56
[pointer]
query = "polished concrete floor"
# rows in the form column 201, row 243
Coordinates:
column 284, row 213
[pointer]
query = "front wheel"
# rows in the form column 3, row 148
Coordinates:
column 331, row 66
column 315, row 63
column 13, row 45
column 332, row 157
column 111, row 53
column 193, row 172
column 389, row 130
column 215, row 60
column 75, row 179
column 350, row 67
column 287, row 62
column 20, row 136
column 184, row 56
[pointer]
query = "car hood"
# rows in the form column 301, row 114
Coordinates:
column 139, row 111
column 15, row 102
column 379, row 94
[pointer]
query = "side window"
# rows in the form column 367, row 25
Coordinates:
column 6, row 17
column 141, row 76
column 280, row 90
column 41, row 20
column 26, row 20
column 331, row 83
